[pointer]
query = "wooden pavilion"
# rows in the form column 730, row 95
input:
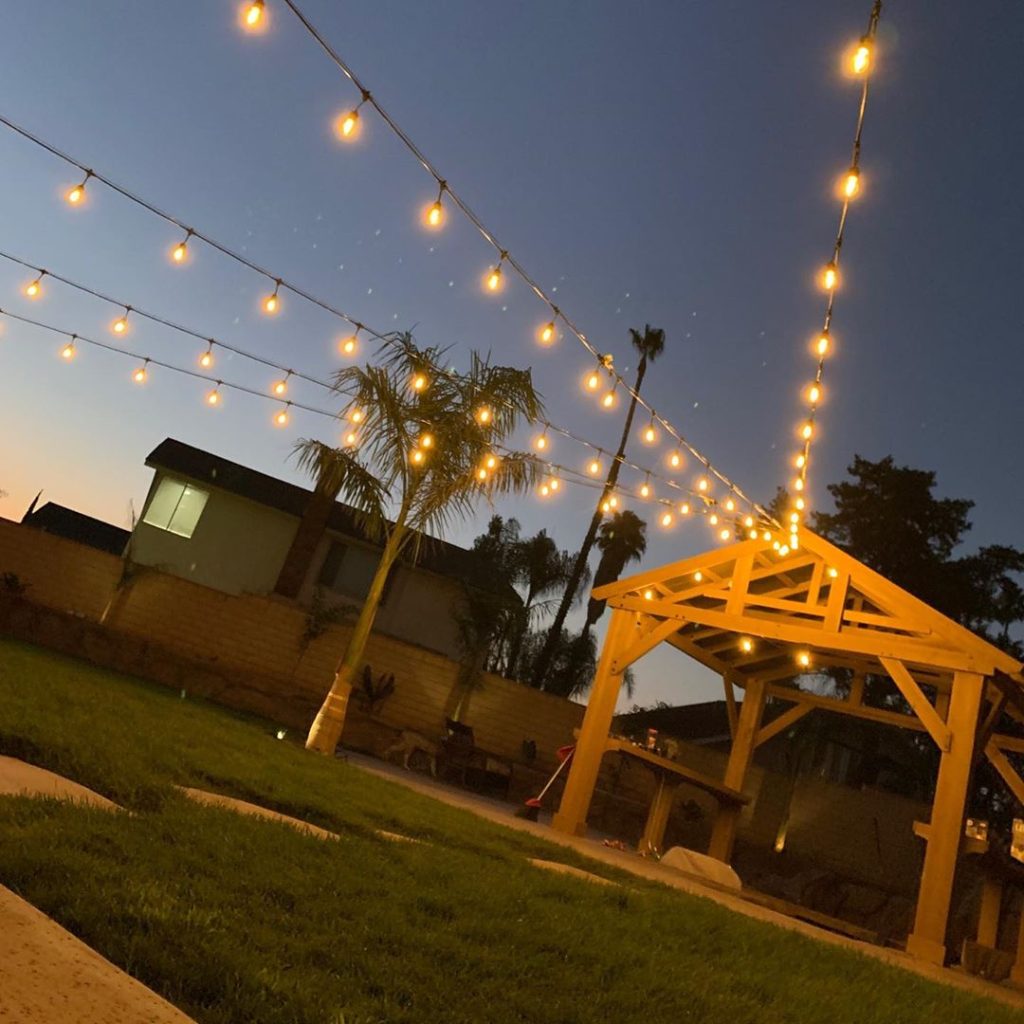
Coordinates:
column 762, row 621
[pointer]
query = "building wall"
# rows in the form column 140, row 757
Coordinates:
column 220, row 553
column 420, row 607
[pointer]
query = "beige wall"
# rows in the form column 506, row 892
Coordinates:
column 220, row 553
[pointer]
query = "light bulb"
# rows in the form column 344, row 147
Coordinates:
column 648, row 594
column 544, row 490
column 822, row 344
column 794, row 517
column 800, row 461
column 861, row 59
column 851, row 183
column 666, row 519
column 120, row 325
column 608, row 399
column 272, row 303
column 766, row 536
column 252, row 14
column 281, row 419
column 814, row 394
column 347, row 125
column 713, row 519
column 68, row 351
column 416, row 457
column 703, row 484
column 356, row 416
column 483, row 415
column 605, row 506
column 280, row 387
column 752, row 534
column 139, row 376
column 34, row 289
column 800, row 504
column 748, row 521
column 592, row 381
column 645, row 490
column 613, row 502
column 419, row 382
column 724, row 533
column 798, row 484
column 746, row 644
column 698, row 576
column 594, row 467
column 206, row 359
column 179, row 254
column 684, row 508
column 730, row 505
column 481, row 473
column 433, row 215
column 830, row 276
column 492, row 279
column 833, row 571
column 555, row 483
column 546, row 334
column 541, row 442
column 675, row 460
column 803, row 659
column 351, row 439
column 783, row 550
column 213, row 397
column 350, row 345
column 75, row 195
column 491, row 462
column 806, row 431
column 650, row 435
column 426, row 441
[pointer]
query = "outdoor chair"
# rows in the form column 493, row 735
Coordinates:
column 464, row 762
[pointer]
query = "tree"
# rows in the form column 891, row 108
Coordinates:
column 623, row 539
column 649, row 346
column 429, row 446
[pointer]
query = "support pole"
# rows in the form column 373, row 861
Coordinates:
column 723, row 832
column 928, row 939
column 571, row 816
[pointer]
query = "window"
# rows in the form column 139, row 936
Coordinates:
column 176, row 507
column 348, row 570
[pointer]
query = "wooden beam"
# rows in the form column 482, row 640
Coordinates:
column 740, row 582
column 836, row 604
column 730, row 702
column 777, row 628
column 915, row 697
column 843, row 707
column 782, row 723
column 658, row 634
column 1007, row 772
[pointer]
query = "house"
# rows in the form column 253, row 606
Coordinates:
column 71, row 525
column 231, row 528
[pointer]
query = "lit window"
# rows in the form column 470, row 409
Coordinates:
column 176, row 507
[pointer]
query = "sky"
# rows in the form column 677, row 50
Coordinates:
column 671, row 163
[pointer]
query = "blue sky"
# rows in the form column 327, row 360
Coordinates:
column 661, row 162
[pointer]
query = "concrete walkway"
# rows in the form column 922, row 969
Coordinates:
column 590, row 846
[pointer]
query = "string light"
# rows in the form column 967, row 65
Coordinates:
column 803, row 659
column 851, row 183
column 746, row 644
column 417, row 456
column 433, row 215
column 356, row 415
column 120, row 325
column 75, row 195
column 830, row 276
column 547, row 334
column 592, row 381
column 666, row 519
column 684, row 508
column 821, row 347
column 347, row 126
column 649, row 434
column 272, row 302
column 68, row 352
column 610, row 398
column 179, row 254
column 645, row 488
column 140, row 375
column 34, row 289
column 594, row 467
column 541, row 442
column 213, row 396
column 675, row 459
column 861, row 60
column 419, row 382
column 206, row 360
column 493, row 279
column 814, row 393
column 351, row 439
column 253, row 14
column 281, row 386
column 426, row 440
column 349, row 346
column 703, row 484
column 483, row 415
column 281, row 418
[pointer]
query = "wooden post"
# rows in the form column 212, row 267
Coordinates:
column 571, row 816
column 657, row 817
column 723, row 832
column 1017, row 974
column 928, row 939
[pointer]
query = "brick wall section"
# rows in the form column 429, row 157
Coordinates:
column 259, row 637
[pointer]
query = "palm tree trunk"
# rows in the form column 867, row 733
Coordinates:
column 543, row 664
column 327, row 727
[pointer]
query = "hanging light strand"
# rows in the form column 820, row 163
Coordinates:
column 505, row 257
column 849, row 188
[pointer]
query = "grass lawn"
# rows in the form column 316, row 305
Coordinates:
column 240, row 920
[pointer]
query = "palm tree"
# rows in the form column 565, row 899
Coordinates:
column 621, row 540
column 649, row 345
column 428, row 446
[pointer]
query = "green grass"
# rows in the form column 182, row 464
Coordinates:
column 240, row 920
